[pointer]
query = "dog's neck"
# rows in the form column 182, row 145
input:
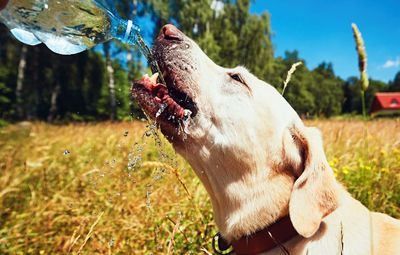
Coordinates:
column 266, row 239
column 242, row 203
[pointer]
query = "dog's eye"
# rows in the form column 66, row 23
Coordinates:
column 237, row 77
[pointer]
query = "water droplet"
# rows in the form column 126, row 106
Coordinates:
column 148, row 194
column 134, row 162
column 161, row 110
column 111, row 243
column 186, row 121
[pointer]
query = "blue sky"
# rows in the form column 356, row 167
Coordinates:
column 321, row 31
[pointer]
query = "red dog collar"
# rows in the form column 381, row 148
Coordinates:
column 263, row 240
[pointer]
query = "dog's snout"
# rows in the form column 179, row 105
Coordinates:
column 170, row 32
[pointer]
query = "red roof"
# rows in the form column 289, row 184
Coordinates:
column 386, row 101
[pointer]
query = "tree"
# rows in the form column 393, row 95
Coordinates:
column 94, row 85
column 111, row 81
column 327, row 90
column 20, row 82
column 352, row 99
column 9, row 53
column 395, row 84
column 228, row 33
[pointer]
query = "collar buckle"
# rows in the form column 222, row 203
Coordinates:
column 221, row 246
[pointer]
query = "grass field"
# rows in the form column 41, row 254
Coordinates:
column 113, row 189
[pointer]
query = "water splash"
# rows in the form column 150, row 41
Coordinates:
column 186, row 121
column 148, row 194
column 111, row 242
column 135, row 158
column 161, row 110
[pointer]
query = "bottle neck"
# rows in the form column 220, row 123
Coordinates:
column 3, row 4
column 125, row 31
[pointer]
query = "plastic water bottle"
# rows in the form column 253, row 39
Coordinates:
column 67, row 26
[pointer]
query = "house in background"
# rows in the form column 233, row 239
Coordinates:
column 386, row 103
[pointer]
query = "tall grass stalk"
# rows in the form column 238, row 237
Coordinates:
column 289, row 75
column 362, row 65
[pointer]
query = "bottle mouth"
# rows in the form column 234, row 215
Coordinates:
column 128, row 29
column 3, row 4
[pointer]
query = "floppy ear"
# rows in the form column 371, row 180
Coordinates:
column 314, row 194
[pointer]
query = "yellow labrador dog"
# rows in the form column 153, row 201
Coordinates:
column 270, row 184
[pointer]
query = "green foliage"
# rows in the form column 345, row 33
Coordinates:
column 231, row 36
column 395, row 84
column 8, row 74
column 352, row 97
column 3, row 123
column 4, row 95
column 328, row 90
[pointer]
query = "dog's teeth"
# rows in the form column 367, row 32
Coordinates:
column 187, row 113
column 154, row 78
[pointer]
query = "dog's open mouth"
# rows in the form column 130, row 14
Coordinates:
column 164, row 103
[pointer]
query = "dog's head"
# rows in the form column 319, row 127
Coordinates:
column 248, row 146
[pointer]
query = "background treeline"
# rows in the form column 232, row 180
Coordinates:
column 36, row 84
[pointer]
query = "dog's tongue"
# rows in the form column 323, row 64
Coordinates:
column 162, row 96
column 150, row 83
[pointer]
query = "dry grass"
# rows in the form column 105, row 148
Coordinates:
column 118, row 193
column 366, row 158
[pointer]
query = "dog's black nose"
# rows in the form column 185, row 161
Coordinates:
column 170, row 32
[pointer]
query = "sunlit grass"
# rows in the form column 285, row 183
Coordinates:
column 108, row 188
